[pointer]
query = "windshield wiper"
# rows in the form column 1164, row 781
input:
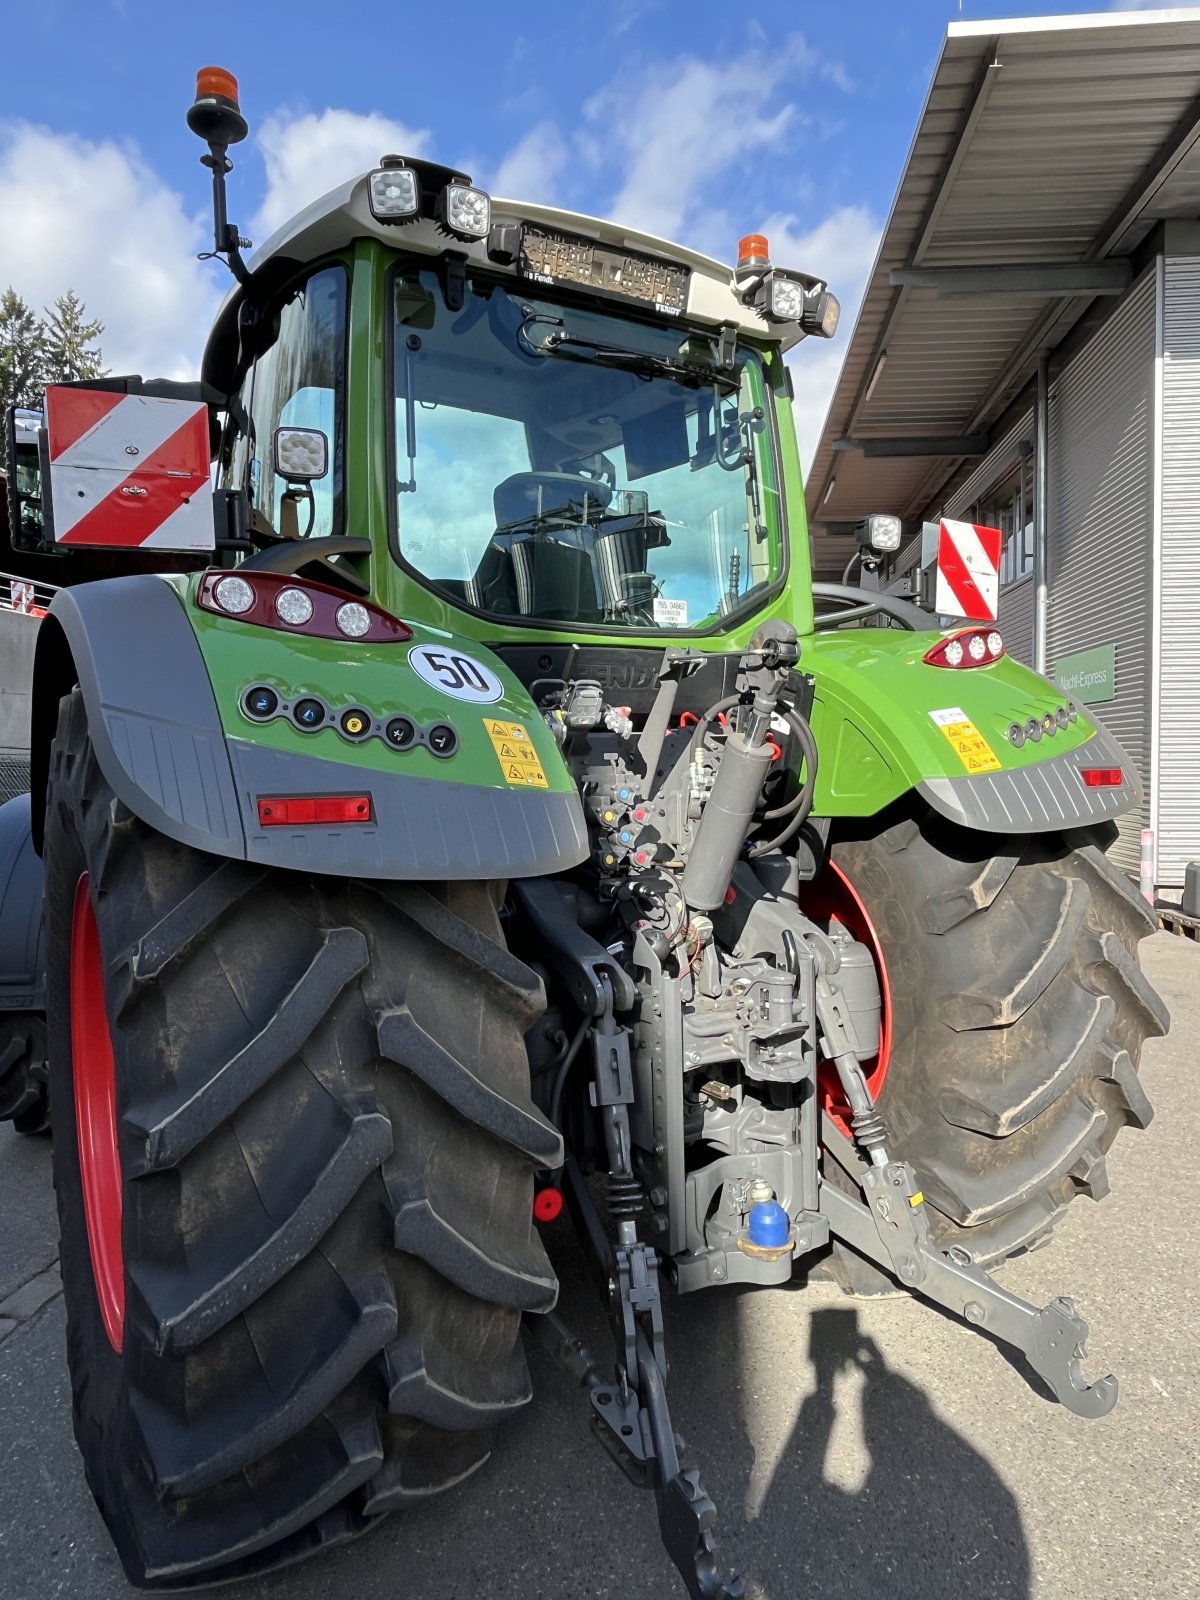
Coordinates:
column 642, row 362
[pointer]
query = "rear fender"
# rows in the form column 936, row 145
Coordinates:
column 22, row 956
column 194, row 770
column 887, row 723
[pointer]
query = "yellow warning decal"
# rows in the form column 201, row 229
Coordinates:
column 972, row 749
column 515, row 752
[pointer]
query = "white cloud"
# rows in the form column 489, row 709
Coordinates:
column 531, row 168
column 841, row 249
column 678, row 130
column 309, row 153
column 96, row 218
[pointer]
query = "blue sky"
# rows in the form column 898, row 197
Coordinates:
column 692, row 118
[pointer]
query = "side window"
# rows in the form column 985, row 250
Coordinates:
column 298, row 382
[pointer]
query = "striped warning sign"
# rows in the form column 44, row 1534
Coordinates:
column 968, row 571
column 128, row 471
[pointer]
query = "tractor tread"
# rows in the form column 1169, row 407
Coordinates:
column 422, row 1462
column 415, row 1390
column 330, row 1244
column 192, row 919
column 401, row 1038
column 168, row 1132
column 1017, row 1027
column 1021, row 970
column 998, row 1089
column 24, row 1085
column 180, row 1462
column 280, row 1512
column 187, row 1306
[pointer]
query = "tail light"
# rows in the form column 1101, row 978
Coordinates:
column 1102, row 777
column 969, row 647
column 300, row 810
column 271, row 600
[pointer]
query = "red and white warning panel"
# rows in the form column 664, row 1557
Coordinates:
column 968, row 571
column 128, row 472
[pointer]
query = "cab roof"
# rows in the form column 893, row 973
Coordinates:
column 344, row 215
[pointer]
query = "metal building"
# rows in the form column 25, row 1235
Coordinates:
column 1028, row 356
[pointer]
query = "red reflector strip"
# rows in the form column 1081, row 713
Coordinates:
column 289, row 811
column 1102, row 777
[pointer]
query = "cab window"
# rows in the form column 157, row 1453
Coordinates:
column 298, row 382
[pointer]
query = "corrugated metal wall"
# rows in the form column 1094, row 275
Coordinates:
column 1016, row 619
column 1179, row 697
column 1101, row 522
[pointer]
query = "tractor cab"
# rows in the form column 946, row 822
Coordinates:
column 578, row 426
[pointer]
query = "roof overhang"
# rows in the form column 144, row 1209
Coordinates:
column 1047, row 152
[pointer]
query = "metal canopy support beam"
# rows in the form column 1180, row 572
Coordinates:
column 1040, row 278
column 971, row 444
column 1041, row 505
column 984, row 85
column 1174, row 150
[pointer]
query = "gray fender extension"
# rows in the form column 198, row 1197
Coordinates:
column 22, row 958
column 157, row 735
column 1046, row 798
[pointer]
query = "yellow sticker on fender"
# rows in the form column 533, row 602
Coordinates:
column 971, row 748
column 515, row 752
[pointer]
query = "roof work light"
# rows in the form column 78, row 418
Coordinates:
column 783, row 296
column 879, row 533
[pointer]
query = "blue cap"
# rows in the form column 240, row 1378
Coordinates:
column 768, row 1225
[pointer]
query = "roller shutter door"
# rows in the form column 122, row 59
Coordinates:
column 1178, row 818
column 1101, row 522
column 1015, row 619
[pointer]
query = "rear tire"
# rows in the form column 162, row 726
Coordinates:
column 326, row 1151
column 1018, row 1016
column 24, row 1093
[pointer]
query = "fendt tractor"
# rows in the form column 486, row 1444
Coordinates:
column 456, row 801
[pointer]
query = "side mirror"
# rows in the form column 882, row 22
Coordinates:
column 301, row 455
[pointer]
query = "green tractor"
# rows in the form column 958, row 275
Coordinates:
column 462, row 803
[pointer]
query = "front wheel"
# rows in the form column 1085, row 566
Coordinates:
column 1018, row 1012
column 294, row 1160
column 24, row 1098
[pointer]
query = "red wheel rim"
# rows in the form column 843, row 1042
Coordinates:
column 834, row 898
column 96, row 1114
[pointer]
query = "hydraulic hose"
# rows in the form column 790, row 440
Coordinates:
column 560, row 1081
column 801, row 805
column 804, row 733
column 710, row 716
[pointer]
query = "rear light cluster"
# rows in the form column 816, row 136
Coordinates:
column 1102, row 777
column 970, row 647
column 271, row 600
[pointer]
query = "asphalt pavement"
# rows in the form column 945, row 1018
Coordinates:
column 854, row 1449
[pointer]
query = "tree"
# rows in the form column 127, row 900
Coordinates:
column 22, row 352
column 67, row 336
column 35, row 351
